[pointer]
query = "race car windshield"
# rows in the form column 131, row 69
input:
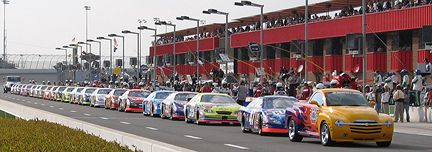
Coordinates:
column 104, row 91
column 80, row 89
column 70, row 89
column 281, row 103
column 90, row 90
column 184, row 97
column 119, row 92
column 162, row 95
column 345, row 99
column 138, row 94
column 61, row 88
column 217, row 99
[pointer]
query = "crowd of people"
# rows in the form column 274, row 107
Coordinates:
column 373, row 6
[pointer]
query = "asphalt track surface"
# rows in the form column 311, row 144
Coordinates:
column 210, row 137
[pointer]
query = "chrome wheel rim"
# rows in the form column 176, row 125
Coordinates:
column 324, row 133
column 291, row 128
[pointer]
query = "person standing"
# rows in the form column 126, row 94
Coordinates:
column 388, row 80
column 378, row 97
column 417, row 84
column 406, row 104
column 385, row 98
column 405, row 79
column 399, row 98
column 242, row 91
column 377, row 78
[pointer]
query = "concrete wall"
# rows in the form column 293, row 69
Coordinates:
column 145, row 144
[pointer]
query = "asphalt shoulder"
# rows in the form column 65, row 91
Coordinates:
column 417, row 128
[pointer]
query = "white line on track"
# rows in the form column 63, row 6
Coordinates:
column 151, row 128
column 43, row 104
column 29, row 101
column 51, row 106
column 193, row 137
column 61, row 108
column 72, row 111
column 103, row 118
column 126, row 123
column 23, row 100
column 87, row 114
column 18, row 99
column 35, row 103
column 235, row 146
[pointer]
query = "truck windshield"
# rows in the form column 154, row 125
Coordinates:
column 14, row 79
column 345, row 99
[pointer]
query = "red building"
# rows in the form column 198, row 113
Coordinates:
column 394, row 42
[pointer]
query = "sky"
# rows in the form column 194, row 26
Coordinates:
column 40, row 26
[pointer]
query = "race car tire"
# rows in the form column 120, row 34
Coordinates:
column 144, row 113
column 260, row 127
column 162, row 114
column 119, row 109
column 197, row 119
column 186, row 118
column 292, row 131
column 383, row 144
column 242, row 126
column 325, row 135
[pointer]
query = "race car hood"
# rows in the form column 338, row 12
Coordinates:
column 9, row 84
column 222, row 107
column 180, row 102
column 137, row 99
column 353, row 113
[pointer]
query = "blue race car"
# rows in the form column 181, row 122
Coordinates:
column 151, row 104
column 265, row 114
column 172, row 106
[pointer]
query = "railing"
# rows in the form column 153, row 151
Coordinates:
column 36, row 61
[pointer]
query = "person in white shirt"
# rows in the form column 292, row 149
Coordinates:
column 385, row 97
column 405, row 79
column 417, row 84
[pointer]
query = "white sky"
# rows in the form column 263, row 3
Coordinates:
column 39, row 26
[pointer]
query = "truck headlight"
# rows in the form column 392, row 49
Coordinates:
column 389, row 124
column 339, row 123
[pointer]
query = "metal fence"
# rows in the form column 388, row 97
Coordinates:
column 38, row 61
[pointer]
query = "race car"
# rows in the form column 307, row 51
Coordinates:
column 112, row 97
column 132, row 100
column 172, row 106
column 151, row 104
column 74, row 95
column 211, row 107
column 84, row 95
column 58, row 93
column 265, row 114
column 97, row 98
column 338, row 115
column 65, row 94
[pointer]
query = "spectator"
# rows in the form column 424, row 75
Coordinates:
column 242, row 91
column 399, row 98
column 379, row 95
column 385, row 98
column 417, row 86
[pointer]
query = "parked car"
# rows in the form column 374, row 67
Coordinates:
column 172, row 106
column 211, row 107
column 151, row 105
column 112, row 97
column 26, row 90
column 97, row 98
column 339, row 115
column 132, row 100
column 41, row 91
column 265, row 114
column 32, row 90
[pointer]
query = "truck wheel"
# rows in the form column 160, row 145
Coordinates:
column 325, row 135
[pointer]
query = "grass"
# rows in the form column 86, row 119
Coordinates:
column 40, row 135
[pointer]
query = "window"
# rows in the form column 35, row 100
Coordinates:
column 402, row 40
column 333, row 46
column 316, row 47
column 374, row 43
column 318, row 97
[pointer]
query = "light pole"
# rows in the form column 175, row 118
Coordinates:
column 4, row 28
column 248, row 3
column 364, row 45
column 198, row 38
column 138, row 48
column 87, row 8
column 111, row 59
column 140, row 43
column 115, row 35
column 86, row 44
column 100, row 51
column 214, row 11
column 306, row 39
column 174, row 37
column 65, row 54
column 154, row 50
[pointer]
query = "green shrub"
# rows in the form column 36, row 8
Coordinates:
column 40, row 135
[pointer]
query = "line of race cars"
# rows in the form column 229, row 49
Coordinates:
column 330, row 114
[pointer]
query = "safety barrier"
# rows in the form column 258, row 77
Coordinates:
column 141, row 143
